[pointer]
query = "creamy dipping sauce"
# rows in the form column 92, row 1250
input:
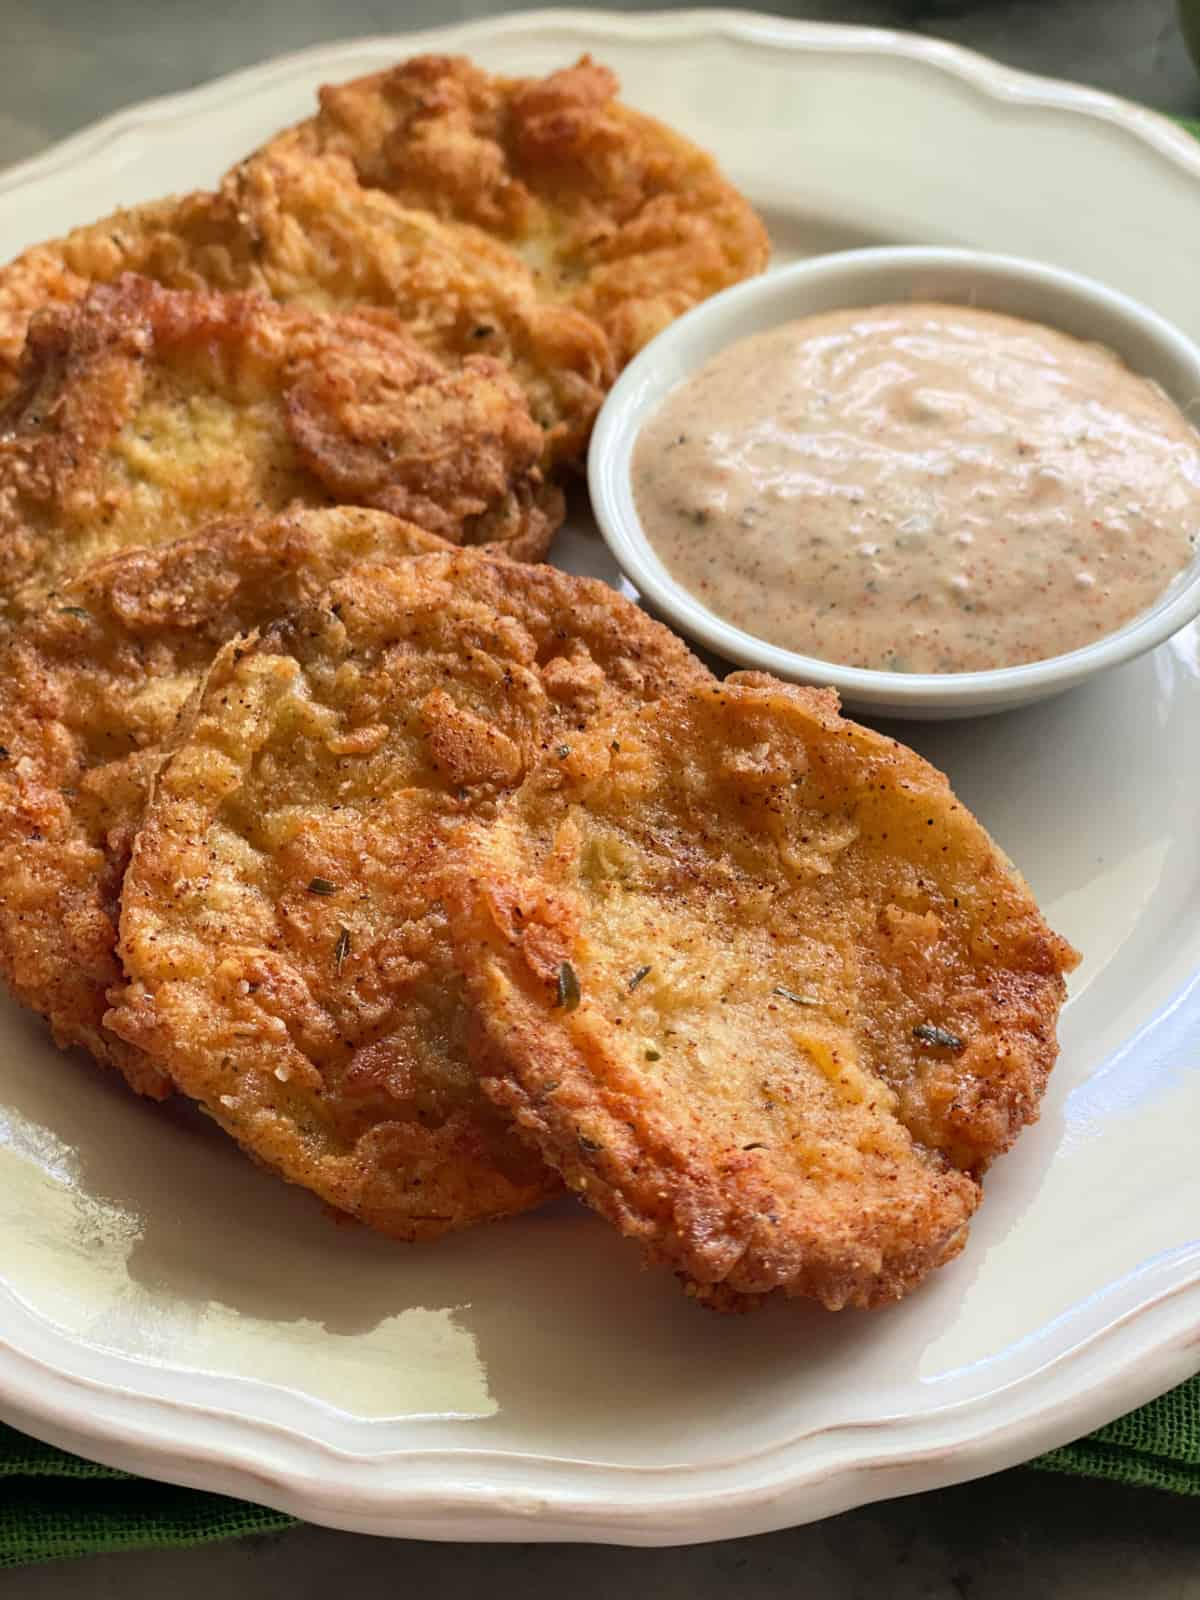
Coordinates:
column 920, row 488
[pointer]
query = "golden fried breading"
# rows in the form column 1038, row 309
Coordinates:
column 761, row 989
column 304, row 231
column 536, row 220
column 323, row 239
column 146, row 412
column 619, row 216
column 193, row 241
column 280, row 925
column 90, row 688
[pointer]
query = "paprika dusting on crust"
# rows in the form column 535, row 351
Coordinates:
column 809, row 999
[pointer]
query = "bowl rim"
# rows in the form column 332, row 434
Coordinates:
column 641, row 388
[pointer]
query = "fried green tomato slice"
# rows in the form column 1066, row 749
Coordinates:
column 324, row 239
column 619, row 216
column 304, row 231
column 90, row 690
column 761, row 989
column 144, row 413
column 281, row 924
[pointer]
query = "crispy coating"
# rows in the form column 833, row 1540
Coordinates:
column 90, row 688
column 281, row 926
column 536, row 220
column 303, row 230
column 324, row 239
column 190, row 241
column 144, row 413
column 619, row 216
column 761, row 989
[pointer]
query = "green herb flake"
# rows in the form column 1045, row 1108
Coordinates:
column 321, row 886
column 796, row 999
column 342, row 948
column 564, row 750
column 653, row 1055
column 642, row 972
column 928, row 1033
column 76, row 611
column 587, row 1144
column 569, row 994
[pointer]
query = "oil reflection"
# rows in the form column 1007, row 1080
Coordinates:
column 142, row 1230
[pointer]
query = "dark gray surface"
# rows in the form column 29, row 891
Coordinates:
column 1019, row 1536
column 1026, row 1534
column 63, row 65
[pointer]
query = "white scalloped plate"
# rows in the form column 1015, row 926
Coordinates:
column 166, row 1308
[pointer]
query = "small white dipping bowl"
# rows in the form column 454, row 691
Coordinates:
column 1064, row 300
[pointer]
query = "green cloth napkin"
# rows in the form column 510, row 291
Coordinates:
column 54, row 1505
column 1157, row 1447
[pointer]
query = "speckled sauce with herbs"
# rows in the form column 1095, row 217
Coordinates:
column 920, row 488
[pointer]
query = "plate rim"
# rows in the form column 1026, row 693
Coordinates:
column 424, row 1493
column 981, row 72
